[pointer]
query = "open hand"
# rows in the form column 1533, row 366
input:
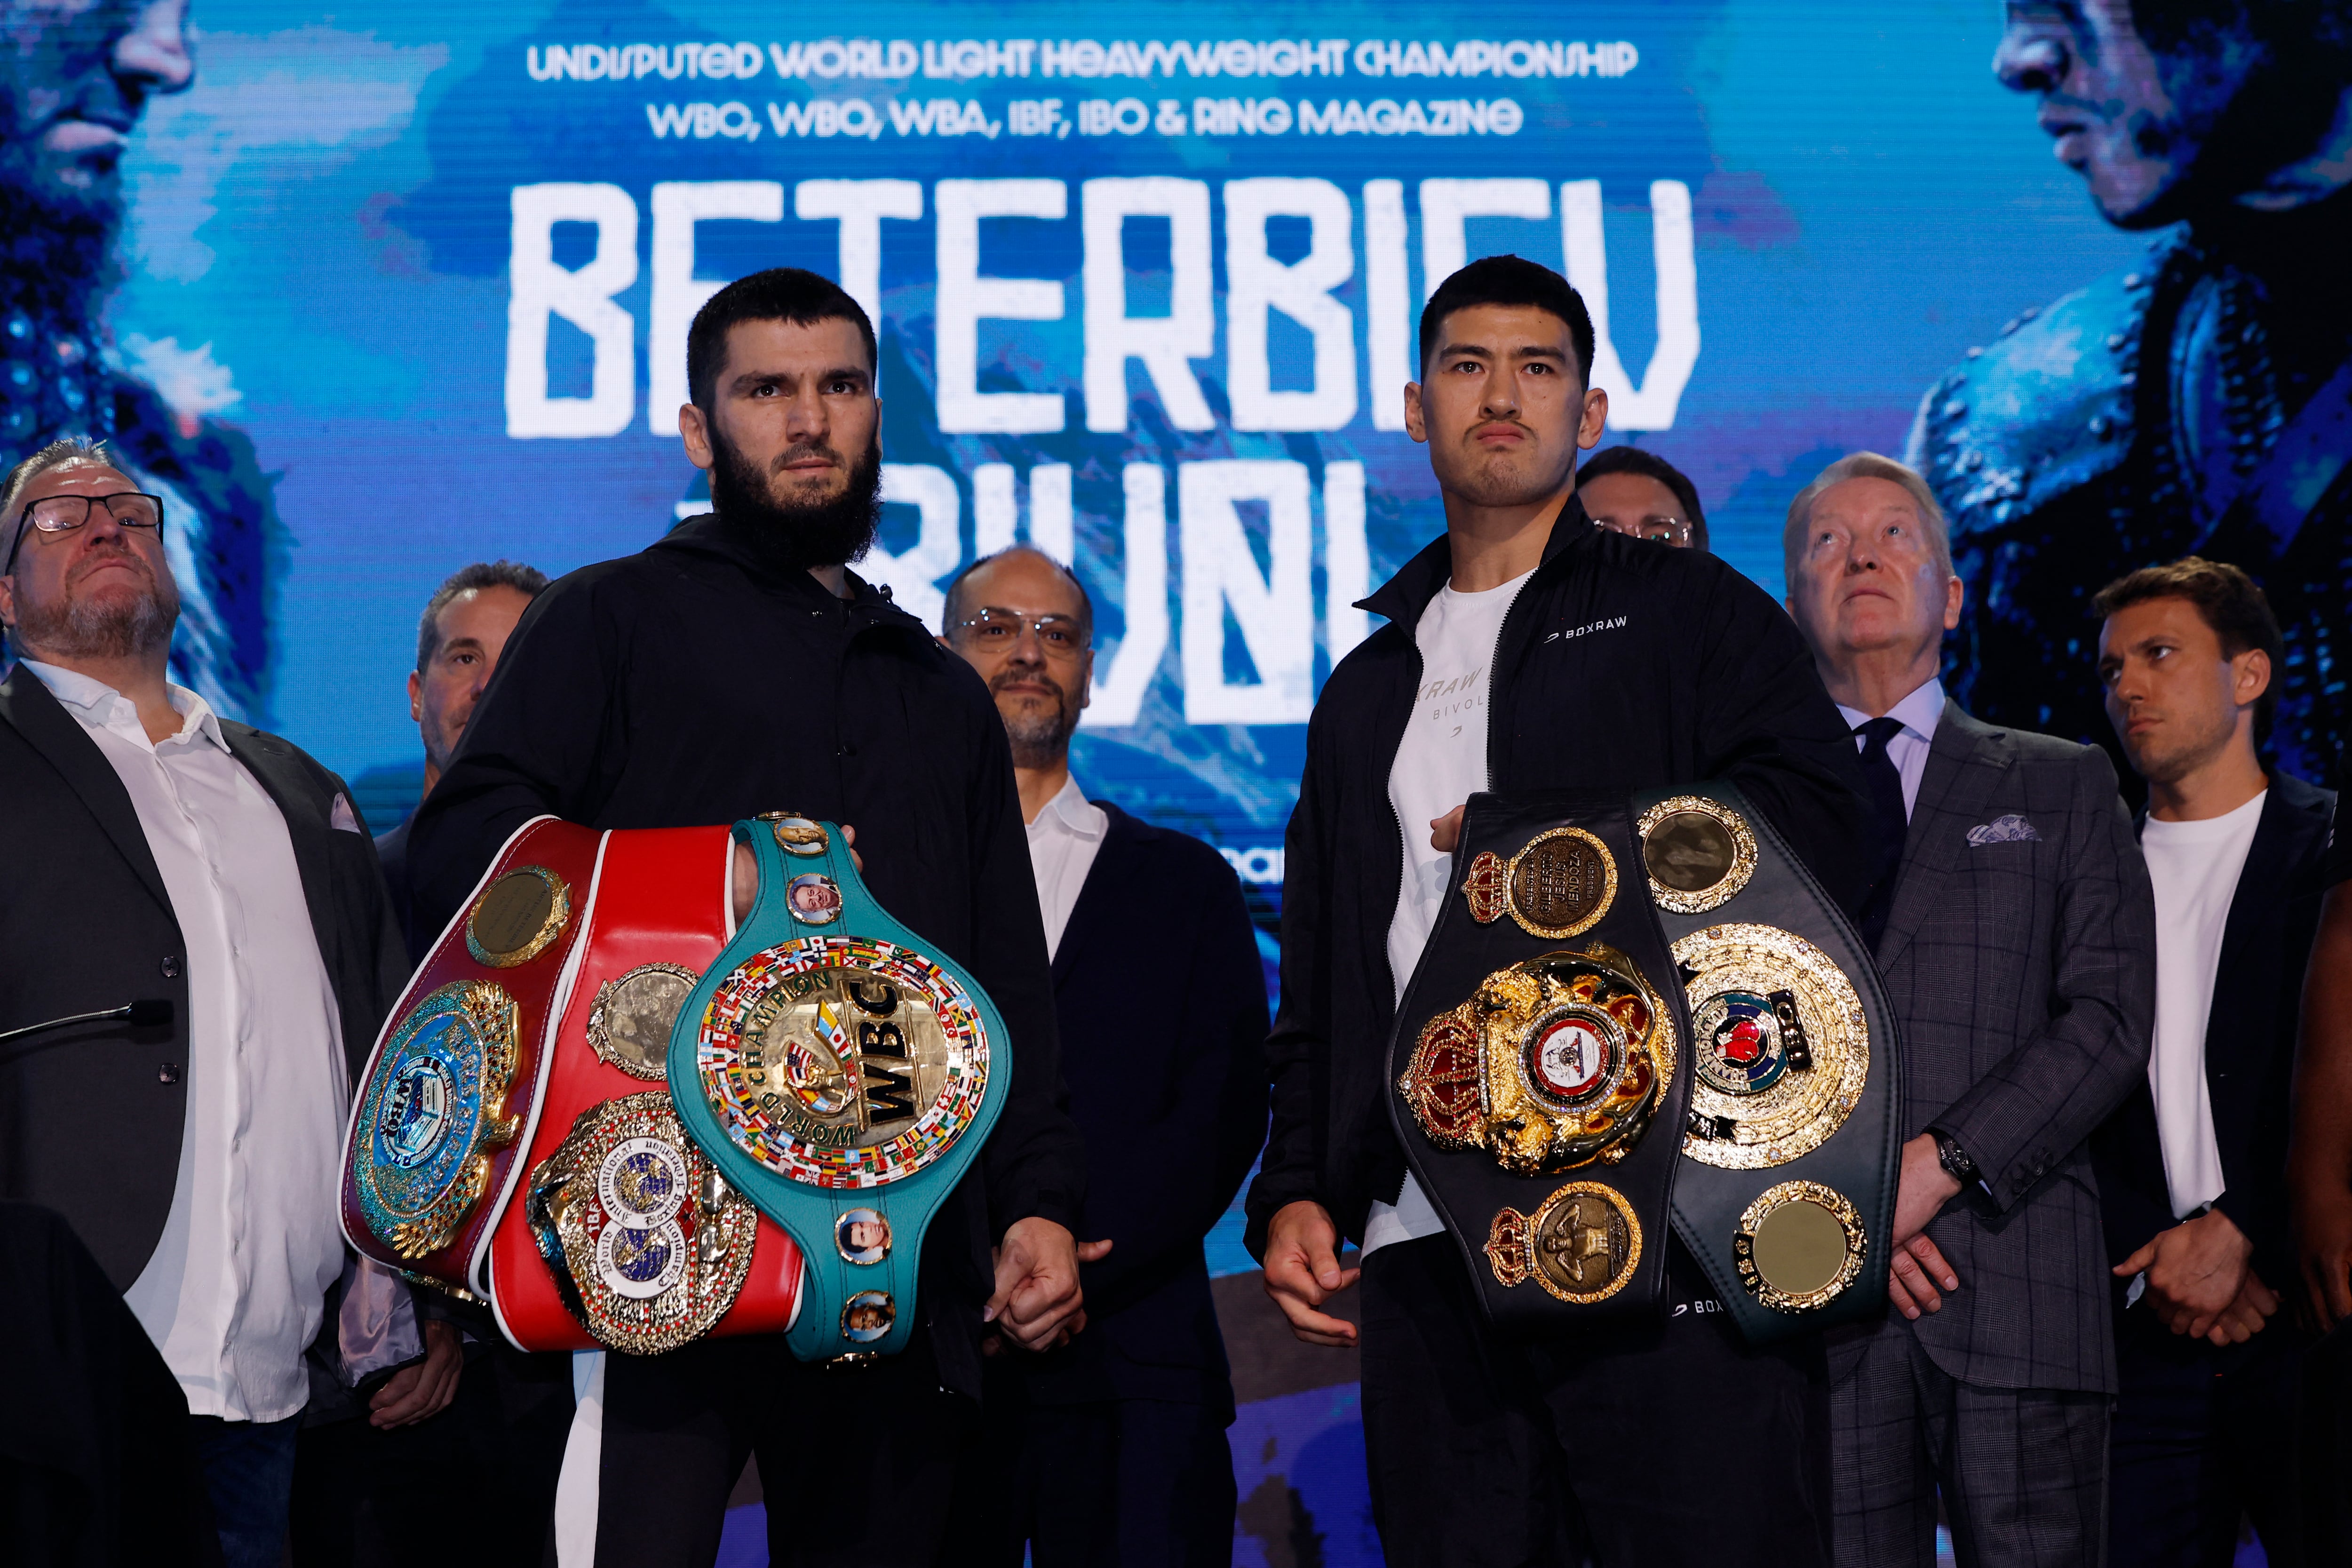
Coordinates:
column 1918, row 1276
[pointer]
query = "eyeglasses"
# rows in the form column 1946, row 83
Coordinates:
column 1669, row 530
column 1000, row 630
column 63, row 514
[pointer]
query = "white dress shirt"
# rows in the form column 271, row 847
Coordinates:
column 1062, row 845
column 2194, row 868
column 1919, row 714
column 236, row 1286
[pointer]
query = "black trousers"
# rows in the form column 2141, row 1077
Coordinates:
column 857, row 1464
column 2204, row 1435
column 1642, row 1447
column 1119, row 1483
column 488, row 1463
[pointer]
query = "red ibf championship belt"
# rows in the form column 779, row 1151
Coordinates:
column 600, row 1223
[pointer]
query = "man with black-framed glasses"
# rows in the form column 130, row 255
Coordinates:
column 150, row 849
column 1111, row 1451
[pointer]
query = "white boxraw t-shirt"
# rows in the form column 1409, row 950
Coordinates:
column 1439, row 763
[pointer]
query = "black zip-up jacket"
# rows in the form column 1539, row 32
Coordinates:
column 1622, row 664
column 686, row 685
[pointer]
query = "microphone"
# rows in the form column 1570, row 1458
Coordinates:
column 147, row 1013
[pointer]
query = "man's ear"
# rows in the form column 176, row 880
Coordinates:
column 2250, row 675
column 695, row 435
column 1595, row 418
column 1087, row 680
column 1956, row 592
column 8, row 603
column 416, row 698
column 1415, row 424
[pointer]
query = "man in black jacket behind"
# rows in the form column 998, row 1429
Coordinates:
column 1587, row 659
column 1111, row 1451
column 738, row 666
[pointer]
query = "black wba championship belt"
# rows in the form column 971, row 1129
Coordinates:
column 1537, row 1063
column 1632, row 1016
column 1786, row 1194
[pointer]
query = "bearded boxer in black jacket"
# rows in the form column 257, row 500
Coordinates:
column 736, row 666
column 1617, row 666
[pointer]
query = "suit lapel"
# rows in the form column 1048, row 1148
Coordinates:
column 2291, row 816
column 58, row 736
column 1965, row 765
column 271, row 764
column 1098, row 896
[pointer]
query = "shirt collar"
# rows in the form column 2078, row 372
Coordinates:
column 1918, row 712
column 1072, row 812
column 99, row 704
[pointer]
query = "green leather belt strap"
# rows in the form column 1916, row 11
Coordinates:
column 1786, row 1194
column 842, row 1075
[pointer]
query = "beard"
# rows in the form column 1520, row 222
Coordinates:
column 785, row 538
column 76, row 626
column 1040, row 739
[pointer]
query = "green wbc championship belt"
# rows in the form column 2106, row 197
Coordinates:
column 1790, row 1148
column 842, row 1076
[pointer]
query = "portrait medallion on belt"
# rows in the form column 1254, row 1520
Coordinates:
column 1798, row 1246
column 795, row 834
column 1698, row 853
column 434, row 1106
column 1581, row 1245
column 1552, row 1064
column 1782, row 1047
column 630, row 1021
column 517, row 917
column 648, row 1246
column 1558, row 887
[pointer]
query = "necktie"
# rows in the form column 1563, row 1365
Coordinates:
column 1883, row 783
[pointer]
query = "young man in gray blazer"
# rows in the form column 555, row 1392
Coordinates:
column 2011, row 915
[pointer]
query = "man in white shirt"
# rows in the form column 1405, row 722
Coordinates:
column 2192, row 1168
column 1111, row 1451
column 2009, row 916
column 201, row 1167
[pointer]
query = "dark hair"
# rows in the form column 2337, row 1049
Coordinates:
column 791, row 294
column 1650, row 466
column 1510, row 280
column 954, row 610
column 2230, row 602
column 528, row 581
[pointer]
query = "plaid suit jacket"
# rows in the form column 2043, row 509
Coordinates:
column 2020, row 955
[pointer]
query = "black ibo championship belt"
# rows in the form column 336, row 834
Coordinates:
column 1790, row 1144
column 1538, row 1066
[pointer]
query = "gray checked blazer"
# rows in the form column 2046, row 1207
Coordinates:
column 2019, row 955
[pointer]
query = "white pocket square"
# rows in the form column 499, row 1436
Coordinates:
column 2009, row 830
column 342, row 817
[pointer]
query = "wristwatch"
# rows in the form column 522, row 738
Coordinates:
column 1955, row 1160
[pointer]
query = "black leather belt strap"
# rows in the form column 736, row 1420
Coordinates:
column 1603, row 1236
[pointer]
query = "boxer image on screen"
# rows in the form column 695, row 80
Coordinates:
column 2198, row 400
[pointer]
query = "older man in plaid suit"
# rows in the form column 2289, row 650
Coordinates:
column 2011, row 915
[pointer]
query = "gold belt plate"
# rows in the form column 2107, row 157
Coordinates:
column 1781, row 1046
column 1552, row 1064
column 649, row 1245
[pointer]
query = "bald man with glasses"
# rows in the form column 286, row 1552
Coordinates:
column 1111, row 1451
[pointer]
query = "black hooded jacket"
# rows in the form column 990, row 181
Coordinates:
column 1623, row 664
column 687, row 685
